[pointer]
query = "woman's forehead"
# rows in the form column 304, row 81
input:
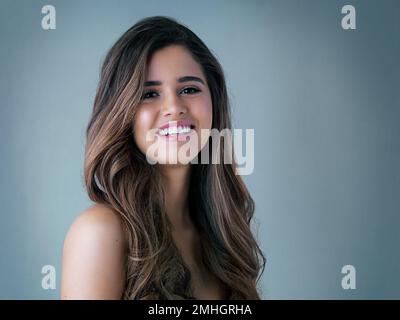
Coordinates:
column 171, row 63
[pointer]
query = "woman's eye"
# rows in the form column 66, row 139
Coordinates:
column 149, row 95
column 190, row 90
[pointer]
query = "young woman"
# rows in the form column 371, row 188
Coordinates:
column 164, row 230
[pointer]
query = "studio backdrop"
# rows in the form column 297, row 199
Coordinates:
column 317, row 81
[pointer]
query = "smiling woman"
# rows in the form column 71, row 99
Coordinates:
column 178, row 106
column 168, row 230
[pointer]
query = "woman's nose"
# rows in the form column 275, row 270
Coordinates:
column 173, row 105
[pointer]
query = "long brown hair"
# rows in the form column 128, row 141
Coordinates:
column 117, row 174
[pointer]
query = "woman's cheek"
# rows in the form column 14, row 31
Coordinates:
column 203, row 113
column 200, row 108
column 142, row 125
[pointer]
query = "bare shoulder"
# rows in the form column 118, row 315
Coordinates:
column 100, row 218
column 94, row 254
column 98, row 223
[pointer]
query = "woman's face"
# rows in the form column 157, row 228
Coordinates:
column 176, row 106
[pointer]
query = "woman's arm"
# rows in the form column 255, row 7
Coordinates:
column 94, row 256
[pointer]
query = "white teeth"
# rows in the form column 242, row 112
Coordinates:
column 174, row 130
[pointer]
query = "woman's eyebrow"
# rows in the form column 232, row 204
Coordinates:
column 180, row 80
column 152, row 83
column 190, row 78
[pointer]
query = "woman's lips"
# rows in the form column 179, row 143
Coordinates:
column 177, row 137
column 177, row 123
column 176, row 130
column 183, row 136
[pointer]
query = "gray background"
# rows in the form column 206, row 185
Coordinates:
column 323, row 101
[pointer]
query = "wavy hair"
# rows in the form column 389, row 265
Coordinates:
column 117, row 174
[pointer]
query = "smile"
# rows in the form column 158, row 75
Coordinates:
column 174, row 130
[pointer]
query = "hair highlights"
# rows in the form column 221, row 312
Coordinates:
column 117, row 174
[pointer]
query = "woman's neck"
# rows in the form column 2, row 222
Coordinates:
column 176, row 181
